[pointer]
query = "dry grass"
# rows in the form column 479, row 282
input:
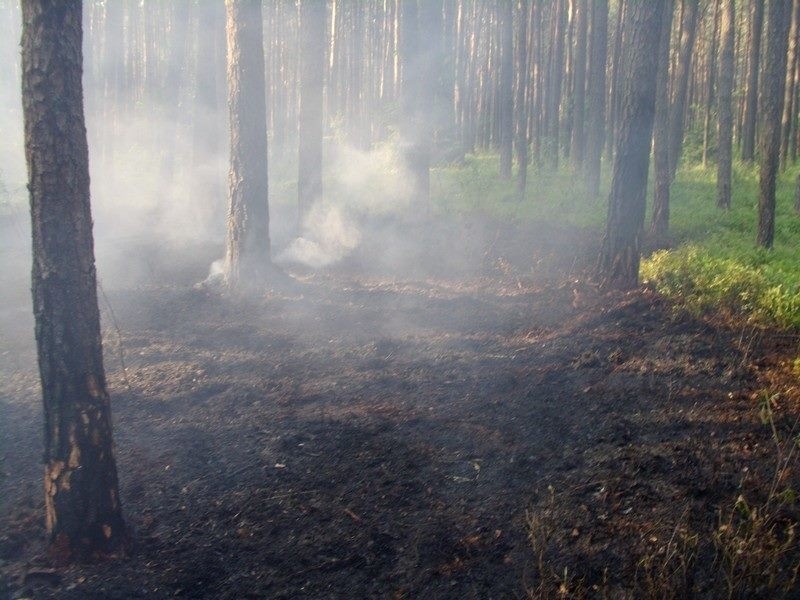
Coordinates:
column 752, row 549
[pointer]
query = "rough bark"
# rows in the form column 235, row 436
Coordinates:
column 596, row 93
column 248, row 244
column 83, row 513
column 621, row 249
column 725, row 106
column 312, row 58
column 661, row 130
column 774, row 75
column 751, row 93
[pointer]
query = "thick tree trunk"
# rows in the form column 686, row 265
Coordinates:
column 661, row 138
column 82, row 503
column 677, row 114
column 778, row 19
column 312, row 69
column 724, row 95
column 248, row 254
column 506, row 92
column 596, row 92
column 751, row 94
column 621, row 249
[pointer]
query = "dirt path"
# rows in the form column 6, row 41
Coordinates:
column 358, row 436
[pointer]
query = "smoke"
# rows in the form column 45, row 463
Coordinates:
column 12, row 159
column 328, row 235
column 360, row 186
column 149, row 180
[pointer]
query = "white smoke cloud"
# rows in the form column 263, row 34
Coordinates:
column 328, row 236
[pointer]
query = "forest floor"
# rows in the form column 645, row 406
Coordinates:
column 487, row 429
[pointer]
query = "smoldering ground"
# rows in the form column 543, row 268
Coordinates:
column 390, row 422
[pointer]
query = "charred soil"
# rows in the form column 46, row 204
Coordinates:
column 432, row 431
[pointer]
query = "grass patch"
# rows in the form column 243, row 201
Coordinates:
column 716, row 265
column 713, row 265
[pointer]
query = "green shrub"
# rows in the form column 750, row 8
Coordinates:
column 703, row 282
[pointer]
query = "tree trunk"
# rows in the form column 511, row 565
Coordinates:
column 778, row 19
column 415, row 89
column 248, row 252
column 522, row 96
column 596, row 92
column 506, row 92
column 84, row 517
column 615, row 85
column 553, row 102
column 678, row 109
column 711, row 74
column 661, row 138
column 312, row 57
column 726, row 66
column 789, row 108
column 621, row 249
column 751, row 94
column 579, row 85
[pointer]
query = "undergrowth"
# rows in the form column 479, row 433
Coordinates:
column 712, row 263
column 748, row 549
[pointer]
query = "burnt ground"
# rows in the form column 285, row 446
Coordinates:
column 369, row 432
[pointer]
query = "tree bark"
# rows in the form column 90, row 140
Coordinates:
column 414, row 88
column 248, row 245
column 506, row 92
column 596, row 92
column 616, row 82
column 778, row 19
column 789, row 108
column 553, row 102
column 711, row 76
column 83, row 513
column 678, row 108
column 725, row 99
column 312, row 70
column 661, row 129
column 751, row 94
column 579, row 85
column 522, row 95
column 621, row 249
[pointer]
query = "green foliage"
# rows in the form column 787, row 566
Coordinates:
column 714, row 263
column 703, row 281
column 474, row 186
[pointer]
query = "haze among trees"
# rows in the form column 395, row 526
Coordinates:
column 445, row 298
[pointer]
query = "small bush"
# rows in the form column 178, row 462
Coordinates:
column 703, row 282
